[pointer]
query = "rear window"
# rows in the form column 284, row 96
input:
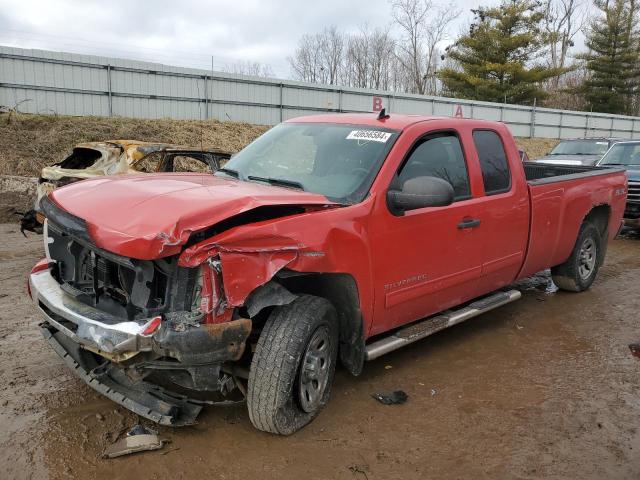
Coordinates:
column 81, row 158
column 581, row 147
column 493, row 162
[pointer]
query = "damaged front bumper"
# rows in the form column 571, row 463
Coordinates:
column 126, row 351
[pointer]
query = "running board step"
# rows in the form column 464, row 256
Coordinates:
column 423, row 329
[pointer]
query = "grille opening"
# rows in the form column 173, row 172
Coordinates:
column 123, row 287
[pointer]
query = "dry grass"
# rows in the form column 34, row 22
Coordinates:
column 536, row 147
column 28, row 142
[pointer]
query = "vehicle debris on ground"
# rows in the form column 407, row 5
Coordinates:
column 397, row 397
column 138, row 439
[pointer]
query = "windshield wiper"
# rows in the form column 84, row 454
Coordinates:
column 229, row 171
column 277, row 181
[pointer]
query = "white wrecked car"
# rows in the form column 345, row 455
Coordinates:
column 115, row 157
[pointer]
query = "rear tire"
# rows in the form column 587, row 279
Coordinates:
column 581, row 269
column 293, row 365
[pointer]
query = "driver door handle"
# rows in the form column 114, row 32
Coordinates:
column 469, row 223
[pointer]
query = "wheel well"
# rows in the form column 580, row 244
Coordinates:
column 341, row 290
column 599, row 216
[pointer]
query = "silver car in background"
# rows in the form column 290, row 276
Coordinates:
column 579, row 151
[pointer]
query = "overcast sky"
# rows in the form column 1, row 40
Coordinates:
column 188, row 32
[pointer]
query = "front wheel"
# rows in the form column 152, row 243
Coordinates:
column 293, row 365
column 580, row 270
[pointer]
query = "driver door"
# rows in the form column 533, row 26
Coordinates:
column 426, row 260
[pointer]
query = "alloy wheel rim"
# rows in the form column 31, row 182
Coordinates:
column 587, row 258
column 314, row 370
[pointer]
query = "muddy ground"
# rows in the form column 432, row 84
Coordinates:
column 542, row 388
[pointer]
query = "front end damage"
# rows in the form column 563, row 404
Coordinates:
column 150, row 335
column 157, row 367
column 163, row 322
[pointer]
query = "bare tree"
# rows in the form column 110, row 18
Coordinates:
column 373, row 58
column 305, row 62
column 563, row 19
column 319, row 58
column 255, row 69
column 381, row 55
column 423, row 26
column 331, row 42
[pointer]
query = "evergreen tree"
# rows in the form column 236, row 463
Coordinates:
column 613, row 61
column 497, row 60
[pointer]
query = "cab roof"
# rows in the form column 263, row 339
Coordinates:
column 395, row 121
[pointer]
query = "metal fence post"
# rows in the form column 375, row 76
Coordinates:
column 611, row 128
column 109, row 90
column 281, row 107
column 532, row 132
column 206, row 97
column 586, row 123
column 560, row 126
column 340, row 100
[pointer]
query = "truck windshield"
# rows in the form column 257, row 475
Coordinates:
column 581, row 147
column 338, row 161
column 627, row 154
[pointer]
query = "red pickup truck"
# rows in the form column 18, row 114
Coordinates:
column 329, row 238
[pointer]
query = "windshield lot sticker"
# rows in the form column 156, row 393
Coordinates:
column 369, row 136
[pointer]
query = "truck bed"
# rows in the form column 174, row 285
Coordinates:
column 560, row 196
column 539, row 173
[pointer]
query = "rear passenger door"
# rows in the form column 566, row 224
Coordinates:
column 504, row 220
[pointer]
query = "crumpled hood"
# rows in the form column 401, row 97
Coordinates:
column 152, row 216
column 570, row 159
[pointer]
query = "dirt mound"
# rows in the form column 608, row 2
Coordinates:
column 29, row 142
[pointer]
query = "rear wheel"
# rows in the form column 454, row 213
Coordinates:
column 580, row 270
column 293, row 365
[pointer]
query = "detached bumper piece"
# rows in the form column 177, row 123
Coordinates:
column 145, row 399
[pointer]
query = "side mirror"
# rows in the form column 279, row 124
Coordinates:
column 420, row 192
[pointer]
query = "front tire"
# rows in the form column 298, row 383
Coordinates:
column 293, row 365
column 581, row 269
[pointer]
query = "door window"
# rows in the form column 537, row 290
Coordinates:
column 150, row 163
column 493, row 162
column 441, row 157
column 188, row 163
